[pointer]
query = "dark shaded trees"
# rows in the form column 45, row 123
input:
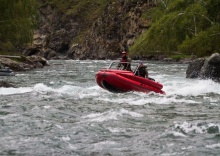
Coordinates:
column 17, row 21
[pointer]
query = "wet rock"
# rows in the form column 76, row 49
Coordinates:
column 6, row 84
column 194, row 68
column 24, row 63
column 205, row 68
column 35, row 59
column 213, row 129
column 14, row 65
column 52, row 55
column 32, row 51
column 211, row 67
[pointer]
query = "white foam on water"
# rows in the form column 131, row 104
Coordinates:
column 187, row 148
column 213, row 146
column 11, row 91
column 116, row 130
column 101, row 117
column 119, row 100
column 198, row 128
column 23, row 90
column 188, row 127
column 47, row 107
column 110, row 115
column 59, row 126
column 66, row 89
column 190, row 87
column 185, row 129
column 160, row 100
column 40, row 87
column 176, row 134
column 174, row 88
column 66, row 138
column 79, row 92
column 137, row 98
column 104, row 144
column 74, row 91
column 139, row 102
column 133, row 114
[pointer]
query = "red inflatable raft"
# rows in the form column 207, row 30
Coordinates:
column 116, row 80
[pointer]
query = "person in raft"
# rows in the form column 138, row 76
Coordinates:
column 142, row 70
column 125, row 62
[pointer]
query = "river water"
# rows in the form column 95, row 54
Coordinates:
column 60, row 110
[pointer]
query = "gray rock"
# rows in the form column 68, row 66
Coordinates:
column 205, row 68
column 194, row 68
column 211, row 67
column 24, row 63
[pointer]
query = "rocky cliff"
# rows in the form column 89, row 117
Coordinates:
column 63, row 35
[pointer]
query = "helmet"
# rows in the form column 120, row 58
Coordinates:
column 124, row 52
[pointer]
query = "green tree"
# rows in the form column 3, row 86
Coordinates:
column 205, row 43
column 181, row 25
column 17, row 21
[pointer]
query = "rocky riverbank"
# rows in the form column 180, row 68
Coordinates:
column 23, row 63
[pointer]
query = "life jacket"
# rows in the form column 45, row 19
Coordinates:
column 142, row 71
column 124, row 59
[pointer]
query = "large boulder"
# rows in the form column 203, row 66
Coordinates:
column 14, row 65
column 205, row 68
column 194, row 68
column 211, row 67
column 24, row 63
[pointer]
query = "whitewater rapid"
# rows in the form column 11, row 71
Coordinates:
column 62, row 111
column 177, row 91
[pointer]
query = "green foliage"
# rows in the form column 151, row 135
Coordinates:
column 178, row 57
column 205, row 43
column 181, row 25
column 213, row 8
column 17, row 20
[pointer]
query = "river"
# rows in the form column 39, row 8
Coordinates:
column 60, row 110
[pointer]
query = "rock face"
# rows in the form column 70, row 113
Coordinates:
column 115, row 30
column 53, row 37
column 24, row 63
column 205, row 68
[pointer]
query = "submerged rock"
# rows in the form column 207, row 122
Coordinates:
column 205, row 68
column 6, row 84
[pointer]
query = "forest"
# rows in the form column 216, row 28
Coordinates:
column 18, row 18
column 187, row 27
